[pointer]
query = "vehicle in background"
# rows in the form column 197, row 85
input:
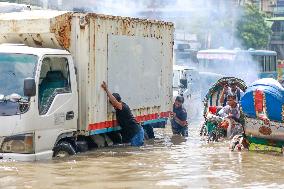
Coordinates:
column 248, row 65
column 6, row 7
column 60, row 59
column 262, row 105
column 211, row 127
column 207, row 79
column 184, row 55
column 267, row 62
column 186, row 82
column 280, row 72
column 193, row 85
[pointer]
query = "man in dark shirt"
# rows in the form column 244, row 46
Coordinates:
column 131, row 131
column 179, row 117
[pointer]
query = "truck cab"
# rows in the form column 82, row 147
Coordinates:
column 38, row 100
column 186, row 83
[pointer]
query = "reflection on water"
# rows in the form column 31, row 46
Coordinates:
column 166, row 162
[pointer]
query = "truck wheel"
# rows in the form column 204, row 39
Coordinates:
column 63, row 149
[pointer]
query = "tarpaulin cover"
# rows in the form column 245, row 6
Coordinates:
column 273, row 98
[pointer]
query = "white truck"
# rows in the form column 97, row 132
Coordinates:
column 186, row 82
column 52, row 64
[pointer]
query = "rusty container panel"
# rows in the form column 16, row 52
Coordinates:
column 114, row 37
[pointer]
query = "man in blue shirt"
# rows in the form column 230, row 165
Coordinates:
column 179, row 117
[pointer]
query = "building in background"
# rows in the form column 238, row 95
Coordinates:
column 277, row 27
column 277, row 36
column 278, row 8
column 266, row 6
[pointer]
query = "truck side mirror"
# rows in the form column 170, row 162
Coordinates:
column 29, row 87
column 183, row 83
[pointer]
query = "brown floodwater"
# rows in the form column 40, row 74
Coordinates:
column 166, row 162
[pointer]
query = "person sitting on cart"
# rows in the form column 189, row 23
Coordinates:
column 232, row 88
column 179, row 118
column 232, row 109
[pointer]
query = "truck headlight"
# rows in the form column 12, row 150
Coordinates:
column 23, row 144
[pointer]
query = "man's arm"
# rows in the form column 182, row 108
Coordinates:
column 223, row 112
column 224, row 91
column 112, row 99
column 181, row 121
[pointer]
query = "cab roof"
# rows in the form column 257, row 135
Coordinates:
column 23, row 49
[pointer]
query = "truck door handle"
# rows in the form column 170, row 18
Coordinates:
column 69, row 115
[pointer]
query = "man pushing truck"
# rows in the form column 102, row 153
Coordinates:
column 52, row 65
column 131, row 131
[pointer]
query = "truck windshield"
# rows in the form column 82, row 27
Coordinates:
column 14, row 68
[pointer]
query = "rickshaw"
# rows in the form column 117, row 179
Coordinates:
column 263, row 107
column 214, row 126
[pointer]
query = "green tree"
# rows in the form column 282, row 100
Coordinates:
column 252, row 29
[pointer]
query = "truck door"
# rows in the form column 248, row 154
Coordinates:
column 57, row 100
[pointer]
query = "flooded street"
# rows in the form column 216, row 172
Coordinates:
column 166, row 162
column 74, row 72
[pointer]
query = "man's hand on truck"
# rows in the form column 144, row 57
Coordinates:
column 115, row 103
column 104, row 86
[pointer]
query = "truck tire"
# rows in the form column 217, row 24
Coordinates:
column 63, row 149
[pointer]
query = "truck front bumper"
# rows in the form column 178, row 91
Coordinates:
column 46, row 155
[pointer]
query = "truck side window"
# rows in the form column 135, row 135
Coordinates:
column 54, row 80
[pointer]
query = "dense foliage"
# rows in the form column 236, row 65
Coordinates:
column 252, row 29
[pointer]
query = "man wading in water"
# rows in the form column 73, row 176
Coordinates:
column 179, row 117
column 131, row 131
